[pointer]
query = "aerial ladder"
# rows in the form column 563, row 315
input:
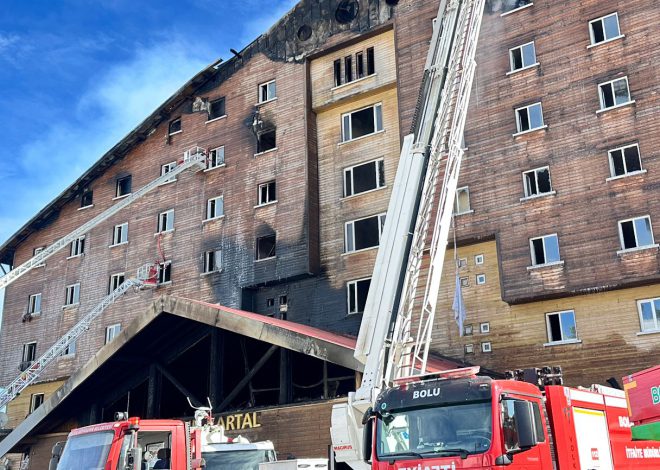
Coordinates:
column 394, row 338
column 195, row 158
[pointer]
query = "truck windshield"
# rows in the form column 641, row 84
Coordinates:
column 454, row 429
column 237, row 459
column 89, row 451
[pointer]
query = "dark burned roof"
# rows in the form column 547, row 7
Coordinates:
column 287, row 40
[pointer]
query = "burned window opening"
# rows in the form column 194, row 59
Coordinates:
column 265, row 247
column 123, row 186
column 266, row 140
column 364, row 233
column 217, row 109
column 175, row 126
column 363, row 178
column 87, row 198
column 357, row 295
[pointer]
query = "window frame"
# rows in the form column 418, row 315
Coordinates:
column 355, row 282
column 34, row 398
column 522, row 7
column 381, row 224
column 652, row 301
column 122, row 231
column 164, row 271
column 34, row 301
column 349, row 115
column 260, row 146
column 522, row 58
column 209, row 204
column 72, row 295
column 111, row 332
column 536, row 171
column 165, row 169
column 623, row 149
column 217, row 261
column 114, row 283
column 519, row 122
column 70, row 350
column 455, row 209
column 222, row 99
column 265, row 86
column 256, row 247
column 217, row 151
column 545, row 256
column 27, row 357
column 77, row 247
column 167, row 217
column 611, row 84
column 551, row 342
column 637, row 247
column 35, row 252
column 602, row 20
column 173, row 123
column 268, row 201
column 379, row 165
column 118, row 186
column 87, row 193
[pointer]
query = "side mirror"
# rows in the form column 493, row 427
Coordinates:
column 134, row 459
column 55, row 455
column 525, row 425
column 367, row 440
column 504, row 460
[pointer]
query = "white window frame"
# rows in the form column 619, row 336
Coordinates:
column 347, row 120
column 611, row 85
column 479, row 259
column 169, row 126
column 214, row 164
column 214, row 267
column 522, row 58
column 266, row 185
column 536, row 171
column 72, row 295
column 652, row 301
column 561, row 329
column 120, row 234
column 118, row 186
column 484, row 328
column 480, row 279
column 70, row 350
column 637, row 246
column 111, row 332
column 351, row 223
column 517, row 9
column 162, row 269
column 165, row 169
column 602, row 20
column 33, row 400
column 269, row 90
column 486, row 347
column 379, row 165
column 34, row 304
column 348, row 294
column 35, row 252
column 213, row 203
column 469, row 210
column 623, row 149
column 77, row 247
column 531, row 129
column 114, row 281
column 165, row 222
column 533, row 253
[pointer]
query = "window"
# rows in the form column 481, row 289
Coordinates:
column 265, row 247
column 166, row 221
column 165, row 169
column 348, row 69
column 175, row 126
column 537, row 182
column 465, row 281
column 34, row 304
column 112, row 332
column 362, row 122
column 512, row 5
column 29, row 355
column 486, row 347
column 461, row 263
column 462, row 203
column 215, row 208
column 213, row 261
column 120, row 234
column 365, row 177
column 36, row 400
column 649, row 314
column 72, row 295
column 479, row 259
column 529, row 118
column 364, row 233
column 337, row 69
column 561, row 327
column 625, row 161
column 266, row 140
column 371, row 61
column 270, row 302
column 216, row 157
column 636, row 233
column 481, row 279
column 469, row 349
column 35, row 252
column 77, row 247
column 604, row 29
column 267, row 193
column 87, row 198
column 284, row 300
column 509, row 418
column 468, row 330
column 217, row 109
column 116, row 280
column 267, row 91
column 123, row 187
column 614, row 93
column 484, row 328
column 359, row 65
column 361, row 69
column 357, row 295
column 523, row 56
column 545, row 250
column 164, row 272
column 70, row 350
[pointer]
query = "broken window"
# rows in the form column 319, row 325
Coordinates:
column 266, row 140
column 70, row 349
column 86, row 200
column 120, row 234
column 544, row 250
column 217, row 109
column 371, row 61
column 216, row 157
column 649, row 314
column 165, row 221
column 267, row 193
column 362, row 122
column 337, row 71
column 212, row 261
column 523, row 56
column 175, row 126
column 604, row 29
column 561, row 326
column 270, row 302
column 265, row 247
column 636, row 233
column 364, row 233
column 348, row 69
column 529, row 117
column 123, row 186
column 462, row 203
column 29, row 354
column 625, row 160
column 350, row 73
column 77, row 247
column 36, row 400
column 111, row 332
column 164, row 272
column 365, row 177
column 267, row 91
column 614, row 93
column 359, row 65
column 35, row 252
column 116, row 280
column 165, row 169
column 34, row 304
column 511, row 5
column 357, row 295
column 215, row 208
column 72, row 295
column 537, row 182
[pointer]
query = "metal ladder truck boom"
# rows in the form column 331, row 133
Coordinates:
column 195, row 157
column 394, row 337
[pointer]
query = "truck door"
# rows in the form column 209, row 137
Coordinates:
column 593, row 440
column 529, row 459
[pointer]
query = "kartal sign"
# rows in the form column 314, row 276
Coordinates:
column 239, row 421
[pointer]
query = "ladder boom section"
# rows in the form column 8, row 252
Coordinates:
column 35, row 369
column 194, row 158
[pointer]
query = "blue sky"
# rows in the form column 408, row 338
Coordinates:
column 78, row 75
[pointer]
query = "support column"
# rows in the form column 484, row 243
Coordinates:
column 286, row 385
column 153, row 392
column 216, row 366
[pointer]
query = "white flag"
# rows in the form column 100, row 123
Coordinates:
column 458, row 306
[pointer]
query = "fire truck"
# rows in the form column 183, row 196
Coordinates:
column 643, row 396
